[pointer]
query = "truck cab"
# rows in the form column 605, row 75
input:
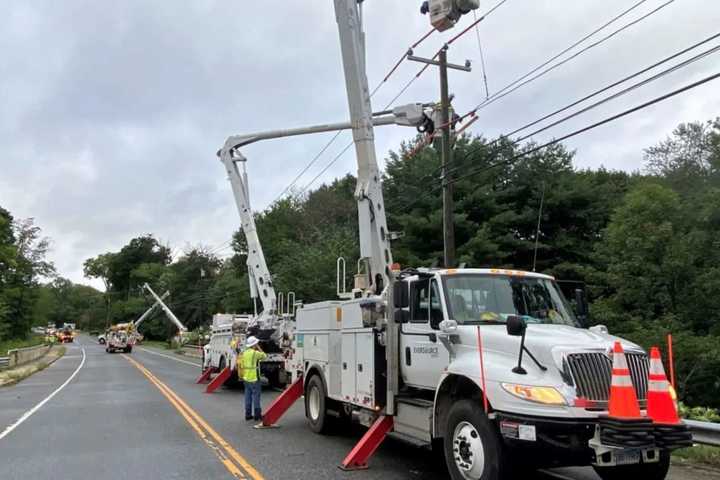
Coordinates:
column 492, row 354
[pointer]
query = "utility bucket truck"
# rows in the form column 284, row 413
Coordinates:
column 273, row 325
column 490, row 366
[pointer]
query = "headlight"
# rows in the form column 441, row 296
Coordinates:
column 545, row 395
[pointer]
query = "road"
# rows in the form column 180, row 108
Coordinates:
column 141, row 416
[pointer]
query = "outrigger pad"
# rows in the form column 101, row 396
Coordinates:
column 627, row 433
column 672, row 437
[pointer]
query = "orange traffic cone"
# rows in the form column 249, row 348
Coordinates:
column 660, row 405
column 623, row 400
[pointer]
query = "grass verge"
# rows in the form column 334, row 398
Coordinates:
column 699, row 454
column 156, row 344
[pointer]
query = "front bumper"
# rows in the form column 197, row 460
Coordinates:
column 565, row 442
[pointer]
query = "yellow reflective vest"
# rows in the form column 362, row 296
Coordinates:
column 249, row 360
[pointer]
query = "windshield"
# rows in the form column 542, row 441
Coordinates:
column 491, row 298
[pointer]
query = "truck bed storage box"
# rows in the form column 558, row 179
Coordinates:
column 321, row 316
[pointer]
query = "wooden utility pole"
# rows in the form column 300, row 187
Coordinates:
column 446, row 161
column 444, row 123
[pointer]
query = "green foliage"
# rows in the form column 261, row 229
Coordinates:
column 29, row 341
column 22, row 265
column 702, row 414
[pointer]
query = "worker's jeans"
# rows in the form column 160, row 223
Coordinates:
column 252, row 399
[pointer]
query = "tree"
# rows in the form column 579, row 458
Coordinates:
column 25, row 265
column 99, row 268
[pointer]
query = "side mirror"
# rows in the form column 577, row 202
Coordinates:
column 581, row 302
column 516, row 326
column 401, row 294
column 448, row 326
column 401, row 316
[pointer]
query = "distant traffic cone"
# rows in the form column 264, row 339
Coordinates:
column 623, row 400
column 660, row 404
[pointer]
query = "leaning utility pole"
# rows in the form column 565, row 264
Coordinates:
column 445, row 124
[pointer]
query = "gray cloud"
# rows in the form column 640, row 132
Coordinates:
column 111, row 112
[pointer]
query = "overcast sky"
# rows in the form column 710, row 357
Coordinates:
column 111, row 112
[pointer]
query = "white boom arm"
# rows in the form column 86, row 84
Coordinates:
column 167, row 311
column 412, row 115
column 261, row 284
column 142, row 318
column 374, row 241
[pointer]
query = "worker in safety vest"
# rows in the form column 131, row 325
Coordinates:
column 249, row 371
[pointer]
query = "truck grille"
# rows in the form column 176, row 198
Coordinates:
column 592, row 371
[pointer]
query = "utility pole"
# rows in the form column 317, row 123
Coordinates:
column 446, row 161
column 445, row 125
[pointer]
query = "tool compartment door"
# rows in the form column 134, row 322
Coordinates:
column 365, row 366
column 348, row 367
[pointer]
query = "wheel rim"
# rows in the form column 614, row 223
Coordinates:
column 314, row 403
column 468, row 451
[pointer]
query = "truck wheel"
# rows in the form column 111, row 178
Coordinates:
column 646, row 471
column 128, row 349
column 315, row 400
column 473, row 450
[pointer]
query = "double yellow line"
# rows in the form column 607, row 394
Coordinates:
column 233, row 461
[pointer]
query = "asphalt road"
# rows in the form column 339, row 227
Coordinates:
column 141, row 416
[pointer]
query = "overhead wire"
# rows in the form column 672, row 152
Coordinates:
column 337, row 134
column 574, row 133
column 407, row 85
column 524, row 80
column 483, row 69
column 603, row 90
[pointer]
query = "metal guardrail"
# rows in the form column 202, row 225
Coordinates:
column 4, row 362
column 705, row 433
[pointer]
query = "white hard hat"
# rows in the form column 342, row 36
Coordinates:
column 251, row 342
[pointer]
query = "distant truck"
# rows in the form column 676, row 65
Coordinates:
column 119, row 338
column 229, row 332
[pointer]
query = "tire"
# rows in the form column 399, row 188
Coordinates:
column 315, row 405
column 101, row 341
column 646, row 471
column 107, row 350
column 473, row 448
column 128, row 350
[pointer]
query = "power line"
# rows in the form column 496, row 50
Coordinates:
column 337, row 134
column 524, row 80
column 604, row 89
column 572, row 134
column 624, row 91
column 404, row 89
column 482, row 58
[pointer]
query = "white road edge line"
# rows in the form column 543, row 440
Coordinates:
column 168, row 356
column 37, row 407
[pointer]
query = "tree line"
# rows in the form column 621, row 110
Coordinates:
column 644, row 243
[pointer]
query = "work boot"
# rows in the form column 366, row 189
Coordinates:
column 258, row 415
column 248, row 418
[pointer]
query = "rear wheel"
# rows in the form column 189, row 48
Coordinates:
column 128, row 349
column 646, row 471
column 315, row 405
column 473, row 450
